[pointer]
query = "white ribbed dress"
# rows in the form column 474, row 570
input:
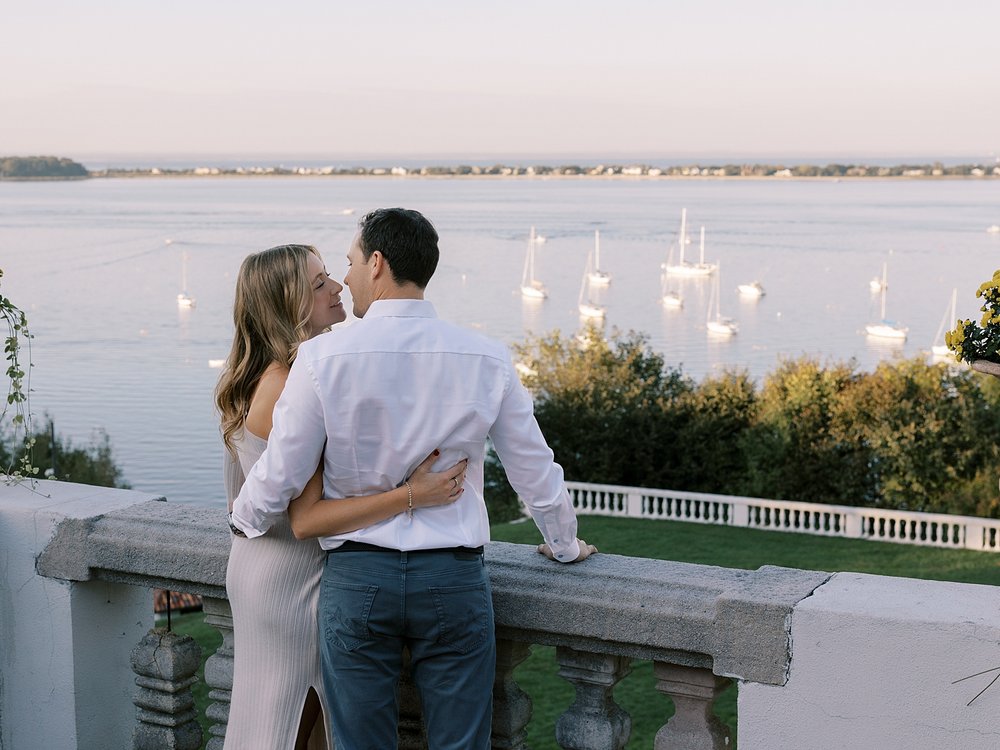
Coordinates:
column 273, row 585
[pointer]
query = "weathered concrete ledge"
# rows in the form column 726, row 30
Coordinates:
column 735, row 622
column 167, row 545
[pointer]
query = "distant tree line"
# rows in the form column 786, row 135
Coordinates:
column 909, row 435
column 40, row 167
column 935, row 169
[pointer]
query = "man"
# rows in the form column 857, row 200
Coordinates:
column 372, row 401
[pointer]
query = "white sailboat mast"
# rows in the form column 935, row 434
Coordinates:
column 597, row 249
column 683, row 239
column 701, row 258
column 949, row 317
column 713, row 300
column 531, row 257
column 885, row 270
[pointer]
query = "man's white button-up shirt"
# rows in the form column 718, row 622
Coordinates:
column 374, row 399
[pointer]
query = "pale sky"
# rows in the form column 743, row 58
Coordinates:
column 546, row 77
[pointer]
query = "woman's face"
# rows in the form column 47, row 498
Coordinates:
column 327, row 308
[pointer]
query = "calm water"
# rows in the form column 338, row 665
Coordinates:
column 90, row 263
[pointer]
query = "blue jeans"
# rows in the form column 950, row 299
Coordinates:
column 437, row 603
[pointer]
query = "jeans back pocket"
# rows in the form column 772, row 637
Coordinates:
column 464, row 613
column 345, row 609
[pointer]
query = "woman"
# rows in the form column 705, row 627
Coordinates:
column 283, row 297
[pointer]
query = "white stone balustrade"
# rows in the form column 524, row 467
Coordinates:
column 821, row 660
column 877, row 524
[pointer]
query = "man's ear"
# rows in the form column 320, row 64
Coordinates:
column 376, row 264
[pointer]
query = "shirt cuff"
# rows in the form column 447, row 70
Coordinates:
column 247, row 526
column 565, row 552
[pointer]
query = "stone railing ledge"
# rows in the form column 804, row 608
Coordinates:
column 154, row 544
column 735, row 622
column 66, row 499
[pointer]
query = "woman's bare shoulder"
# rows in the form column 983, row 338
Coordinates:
column 269, row 388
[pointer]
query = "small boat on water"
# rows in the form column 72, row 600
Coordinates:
column 684, row 267
column 885, row 328
column 939, row 349
column 753, row 290
column 672, row 300
column 597, row 276
column 184, row 300
column 531, row 288
column 588, row 308
column 716, row 324
column 669, row 298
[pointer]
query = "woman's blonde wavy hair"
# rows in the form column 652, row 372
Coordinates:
column 274, row 299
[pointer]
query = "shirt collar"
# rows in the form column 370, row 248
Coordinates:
column 400, row 308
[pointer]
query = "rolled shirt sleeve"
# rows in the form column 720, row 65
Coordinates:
column 293, row 452
column 532, row 472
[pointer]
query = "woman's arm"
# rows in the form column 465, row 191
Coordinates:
column 312, row 516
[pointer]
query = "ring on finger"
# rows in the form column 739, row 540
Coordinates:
column 455, row 480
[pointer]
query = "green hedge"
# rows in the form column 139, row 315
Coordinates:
column 908, row 435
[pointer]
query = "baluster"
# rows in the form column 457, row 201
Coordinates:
column 594, row 721
column 511, row 705
column 219, row 670
column 166, row 663
column 693, row 726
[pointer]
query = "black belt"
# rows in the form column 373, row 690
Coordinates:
column 352, row 546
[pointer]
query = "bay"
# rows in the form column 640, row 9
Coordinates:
column 91, row 264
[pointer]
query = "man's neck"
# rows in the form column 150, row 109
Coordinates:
column 409, row 291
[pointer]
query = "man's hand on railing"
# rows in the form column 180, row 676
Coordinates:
column 586, row 550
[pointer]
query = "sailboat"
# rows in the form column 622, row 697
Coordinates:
column 672, row 299
column 687, row 268
column 588, row 309
column 183, row 298
column 716, row 323
column 885, row 328
column 668, row 297
column 939, row 349
column 531, row 288
column 597, row 276
column 753, row 290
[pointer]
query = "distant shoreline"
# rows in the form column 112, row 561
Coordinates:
column 574, row 171
column 416, row 175
column 27, row 169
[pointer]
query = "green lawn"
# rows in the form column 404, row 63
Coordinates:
column 730, row 547
column 193, row 624
column 696, row 543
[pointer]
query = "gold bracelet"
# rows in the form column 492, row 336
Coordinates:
column 409, row 499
